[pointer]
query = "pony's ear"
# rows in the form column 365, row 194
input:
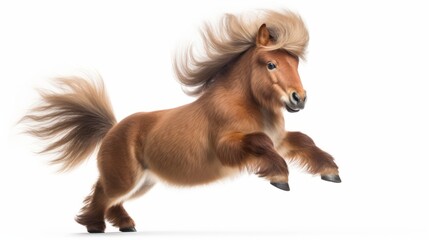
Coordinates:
column 263, row 37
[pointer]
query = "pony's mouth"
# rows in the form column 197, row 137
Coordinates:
column 289, row 109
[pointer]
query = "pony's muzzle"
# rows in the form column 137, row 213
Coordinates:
column 296, row 101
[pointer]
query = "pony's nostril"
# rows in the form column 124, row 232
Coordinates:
column 295, row 98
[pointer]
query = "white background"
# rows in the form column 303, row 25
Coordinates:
column 367, row 80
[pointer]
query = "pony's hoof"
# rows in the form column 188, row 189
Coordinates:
column 128, row 229
column 95, row 231
column 331, row 178
column 96, row 228
column 282, row 186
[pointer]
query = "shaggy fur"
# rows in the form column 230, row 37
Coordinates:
column 249, row 76
column 233, row 35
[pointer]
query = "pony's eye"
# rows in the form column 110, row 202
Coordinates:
column 271, row 66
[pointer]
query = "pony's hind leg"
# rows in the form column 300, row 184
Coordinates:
column 116, row 184
column 299, row 147
column 106, row 202
column 92, row 214
column 119, row 217
column 102, row 204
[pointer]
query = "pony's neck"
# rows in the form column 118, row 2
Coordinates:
column 235, row 78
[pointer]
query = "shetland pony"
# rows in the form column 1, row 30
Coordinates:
column 247, row 76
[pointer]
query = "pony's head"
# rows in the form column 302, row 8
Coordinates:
column 275, row 81
column 273, row 41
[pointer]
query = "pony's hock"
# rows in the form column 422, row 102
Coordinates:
column 246, row 78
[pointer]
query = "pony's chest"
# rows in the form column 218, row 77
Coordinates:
column 276, row 134
column 273, row 126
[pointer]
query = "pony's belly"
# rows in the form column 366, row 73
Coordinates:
column 191, row 173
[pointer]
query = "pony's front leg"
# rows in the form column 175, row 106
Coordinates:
column 297, row 146
column 254, row 151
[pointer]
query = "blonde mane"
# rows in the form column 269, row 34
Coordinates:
column 234, row 35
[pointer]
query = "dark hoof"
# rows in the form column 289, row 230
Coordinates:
column 96, row 227
column 331, row 178
column 95, row 231
column 282, row 186
column 128, row 229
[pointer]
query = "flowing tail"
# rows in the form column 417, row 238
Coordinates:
column 74, row 118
